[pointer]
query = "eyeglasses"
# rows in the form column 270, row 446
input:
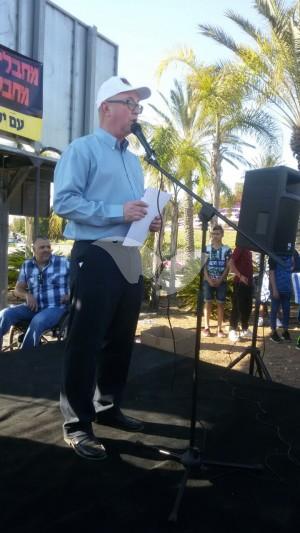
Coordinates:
column 131, row 104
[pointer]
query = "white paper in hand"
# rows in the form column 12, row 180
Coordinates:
column 138, row 230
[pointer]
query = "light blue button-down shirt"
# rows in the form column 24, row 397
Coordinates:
column 93, row 180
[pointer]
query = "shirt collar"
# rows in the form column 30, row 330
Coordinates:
column 49, row 262
column 110, row 140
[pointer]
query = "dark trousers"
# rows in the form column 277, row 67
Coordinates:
column 284, row 301
column 103, row 318
column 241, row 305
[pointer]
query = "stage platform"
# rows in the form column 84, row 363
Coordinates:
column 46, row 488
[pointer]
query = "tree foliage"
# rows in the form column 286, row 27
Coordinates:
column 271, row 64
column 225, row 113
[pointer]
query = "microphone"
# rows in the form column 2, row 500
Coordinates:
column 138, row 132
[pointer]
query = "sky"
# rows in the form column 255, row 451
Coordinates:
column 148, row 31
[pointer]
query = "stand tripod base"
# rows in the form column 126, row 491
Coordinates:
column 255, row 358
column 191, row 458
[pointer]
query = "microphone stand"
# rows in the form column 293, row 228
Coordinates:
column 191, row 457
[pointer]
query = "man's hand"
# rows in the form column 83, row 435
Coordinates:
column 134, row 210
column 243, row 279
column 31, row 302
column 155, row 224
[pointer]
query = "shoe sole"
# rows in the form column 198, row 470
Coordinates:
column 83, row 456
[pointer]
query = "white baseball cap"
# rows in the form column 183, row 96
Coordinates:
column 116, row 85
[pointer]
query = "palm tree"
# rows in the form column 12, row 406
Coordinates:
column 222, row 97
column 272, row 65
column 186, row 153
column 163, row 142
column 180, row 152
column 267, row 159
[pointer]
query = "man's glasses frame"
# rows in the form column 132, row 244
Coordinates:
column 131, row 104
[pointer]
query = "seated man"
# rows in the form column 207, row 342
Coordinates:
column 44, row 283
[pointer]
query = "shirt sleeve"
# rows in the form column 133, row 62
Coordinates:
column 70, row 180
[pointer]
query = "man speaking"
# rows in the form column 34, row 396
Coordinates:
column 98, row 186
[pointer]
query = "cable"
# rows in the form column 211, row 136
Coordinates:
column 157, row 274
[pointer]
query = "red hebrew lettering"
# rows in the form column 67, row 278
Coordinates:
column 21, row 93
column 30, row 73
column 14, row 91
column 6, row 89
column 8, row 59
column 16, row 68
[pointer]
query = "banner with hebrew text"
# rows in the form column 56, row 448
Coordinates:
column 21, row 94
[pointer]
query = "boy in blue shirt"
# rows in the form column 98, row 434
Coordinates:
column 215, row 275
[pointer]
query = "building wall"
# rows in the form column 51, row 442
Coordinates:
column 76, row 60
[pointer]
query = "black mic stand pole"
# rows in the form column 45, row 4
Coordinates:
column 191, row 457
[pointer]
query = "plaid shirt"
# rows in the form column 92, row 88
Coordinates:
column 48, row 284
column 217, row 260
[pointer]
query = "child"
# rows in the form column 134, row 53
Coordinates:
column 215, row 274
column 241, row 265
column 281, row 287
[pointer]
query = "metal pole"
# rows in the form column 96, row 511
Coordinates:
column 4, row 240
column 37, row 200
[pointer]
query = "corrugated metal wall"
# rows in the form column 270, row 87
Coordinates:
column 76, row 60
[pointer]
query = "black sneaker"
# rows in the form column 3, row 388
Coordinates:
column 286, row 336
column 275, row 337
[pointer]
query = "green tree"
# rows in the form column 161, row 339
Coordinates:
column 267, row 159
column 154, row 250
column 271, row 65
column 180, row 149
column 18, row 225
column 56, row 227
column 222, row 94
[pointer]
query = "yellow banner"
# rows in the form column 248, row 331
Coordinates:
column 20, row 124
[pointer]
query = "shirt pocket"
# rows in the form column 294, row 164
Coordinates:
column 33, row 282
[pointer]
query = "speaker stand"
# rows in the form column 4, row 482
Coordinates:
column 253, row 351
column 191, row 457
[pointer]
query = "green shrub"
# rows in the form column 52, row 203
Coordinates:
column 15, row 260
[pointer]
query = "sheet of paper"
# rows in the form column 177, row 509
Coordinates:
column 138, row 230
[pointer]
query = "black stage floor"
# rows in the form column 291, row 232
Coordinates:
column 46, row 488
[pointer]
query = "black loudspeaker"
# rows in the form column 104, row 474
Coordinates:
column 270, row 209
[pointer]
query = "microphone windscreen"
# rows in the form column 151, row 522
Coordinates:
column 135, row 128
